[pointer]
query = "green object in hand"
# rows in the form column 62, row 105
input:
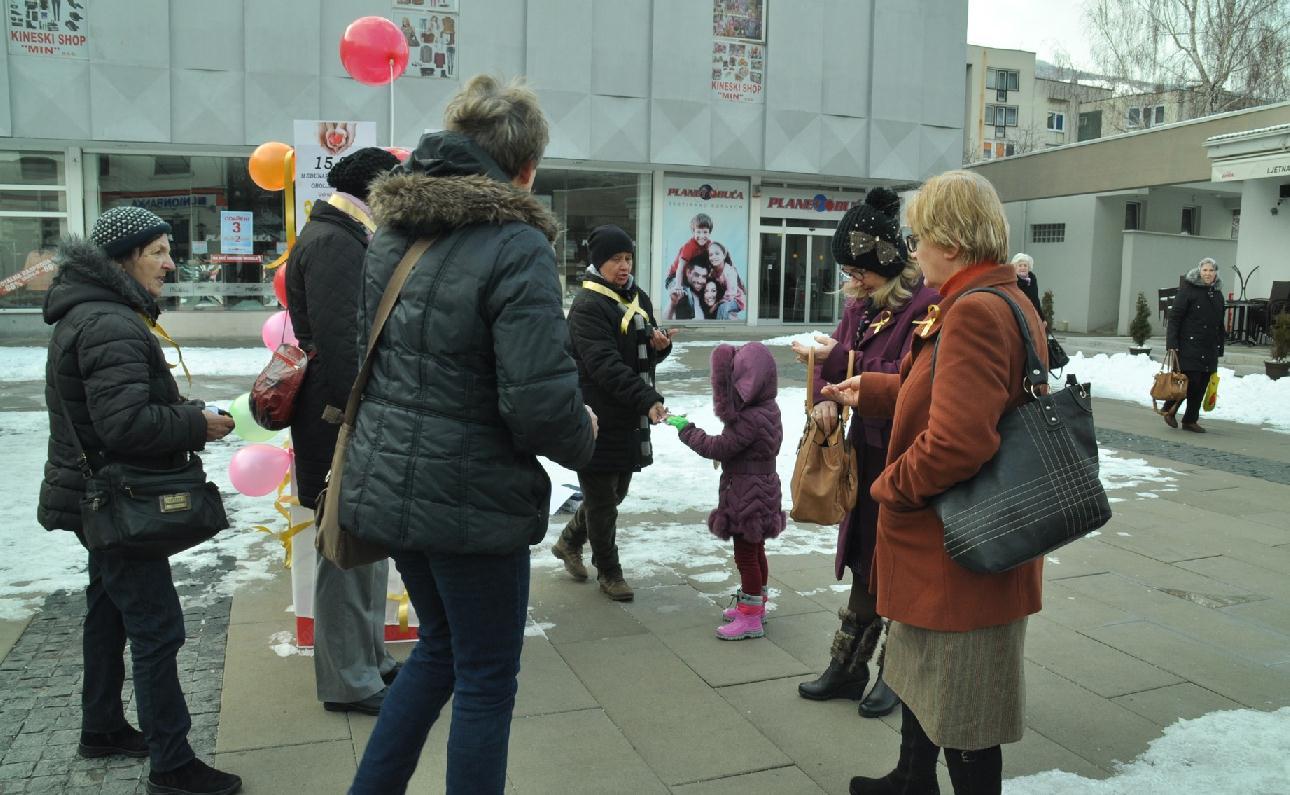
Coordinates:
column 677, row 421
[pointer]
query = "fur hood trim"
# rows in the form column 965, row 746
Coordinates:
column 1193, row 278
column 421, row 204
column 743, row 376
column 85, row 273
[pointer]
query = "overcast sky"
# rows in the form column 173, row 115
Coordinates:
column 1041, row 26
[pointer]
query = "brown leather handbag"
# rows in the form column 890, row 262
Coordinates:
column 825, row 480
column 1170, row 383
column 334, row 542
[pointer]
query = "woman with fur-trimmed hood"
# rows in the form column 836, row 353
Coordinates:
column 472, row 380
column 749, row 506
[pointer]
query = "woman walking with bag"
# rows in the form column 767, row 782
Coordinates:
column 887, row 298
column 955, row 650
column 106, row 370
column 472, row 380
column 1195, row 335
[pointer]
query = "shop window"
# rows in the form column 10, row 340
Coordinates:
column 583, row 200
column 33, row 217
column 1048, row 233
column 190, row 193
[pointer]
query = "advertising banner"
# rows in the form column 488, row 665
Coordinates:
column 807, row 204
column 319, row 144
column 705, row 248
column 48, row 27
column 236, row 232
column 430, row 26
column 739, row 50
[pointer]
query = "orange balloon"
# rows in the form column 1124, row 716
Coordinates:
column 266, row 165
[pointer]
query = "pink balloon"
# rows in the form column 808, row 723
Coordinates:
column 399, row 152
column 257, row 469
column 277, row 330
column 368, row 46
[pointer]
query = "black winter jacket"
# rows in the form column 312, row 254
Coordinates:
column 324, row 275
column 616, row 372
column 110, row 369
column 1196, row 324
column 472, row 376
column 1032, row 292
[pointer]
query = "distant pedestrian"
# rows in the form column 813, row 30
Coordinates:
column 1027, row 280
column 1196, row 334
column 107, row 367
column 749, row 503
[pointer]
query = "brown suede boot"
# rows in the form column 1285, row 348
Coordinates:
column 572, row 559
column 1193, row 427
column 1168, row 414
column 615, row 587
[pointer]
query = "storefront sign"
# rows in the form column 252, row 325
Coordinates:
column 179, row 201
column 786, row 203
column 1267, row 166
column 26, row 276
column 241, row 259
column 705, row 245
column 48, row 27
column 431, row 35
column 319, row 144
column 236, row 231
column 738, row 50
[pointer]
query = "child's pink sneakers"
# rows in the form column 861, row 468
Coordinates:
column 747, row 620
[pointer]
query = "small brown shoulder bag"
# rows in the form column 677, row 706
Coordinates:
column 825, row 481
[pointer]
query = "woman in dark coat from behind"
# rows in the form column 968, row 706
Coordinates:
column 324, row 275
column 1195, row 333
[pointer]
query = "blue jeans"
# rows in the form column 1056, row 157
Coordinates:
column 135, row 600
column 472, row 610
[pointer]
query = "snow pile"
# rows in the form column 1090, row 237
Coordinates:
column 1253, row 399
column 1234, row 751
column 27, row 363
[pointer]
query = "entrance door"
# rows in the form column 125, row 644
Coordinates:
column 809, row 284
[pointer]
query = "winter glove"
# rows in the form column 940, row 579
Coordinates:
column 677, row 421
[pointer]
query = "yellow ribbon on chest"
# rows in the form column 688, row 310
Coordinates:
column 630, row 308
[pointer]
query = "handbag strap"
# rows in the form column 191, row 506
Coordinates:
column 388, row 299
column 810, row 383
column 1036, row 375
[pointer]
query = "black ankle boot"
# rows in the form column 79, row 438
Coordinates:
column 976, row 772
column 915, row 772
column 848, row 671
column 881, row 700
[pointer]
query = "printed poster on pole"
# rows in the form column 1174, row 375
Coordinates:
column 319, row 144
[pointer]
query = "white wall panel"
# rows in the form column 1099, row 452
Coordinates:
column 944, row 57
column 794, row 56
column 129, row 103
column 897, row 85
column 793, row 141
column 282, row 36
column 682, row 64
column 620, row 48
column 50, row 97
column 559, row 44
column 845, row 39
column 128, row 32
column 492, row 38
column 680, row 132
column 274, row 102
column 738, row 135
column 6, row 113
column 336, row 16
column 206, row 35
column 207, row 107
column 619, row 129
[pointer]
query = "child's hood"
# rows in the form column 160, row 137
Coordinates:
column 742, row 376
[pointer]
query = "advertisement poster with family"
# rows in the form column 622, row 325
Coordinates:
column 705, row 243
column 738, row 49
column 430, row 26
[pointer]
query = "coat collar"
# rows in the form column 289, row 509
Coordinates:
column 426, row 205
column 994, row 276
column 85, row 273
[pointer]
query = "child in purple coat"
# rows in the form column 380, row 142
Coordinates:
column 749, row 504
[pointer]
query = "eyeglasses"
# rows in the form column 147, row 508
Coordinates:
column 911, row 242
column 849, row 272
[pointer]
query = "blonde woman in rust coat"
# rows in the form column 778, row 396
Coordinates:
column 954, row 655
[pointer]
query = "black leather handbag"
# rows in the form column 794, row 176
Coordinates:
column 1041, row 490
column 1057, row 358
column 146, row 513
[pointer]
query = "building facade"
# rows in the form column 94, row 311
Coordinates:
column 158, row 103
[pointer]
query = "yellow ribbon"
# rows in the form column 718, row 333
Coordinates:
column 348, row 207
column 925, row 325
column 282, row 506
column 289, row 205
column 161, row 332
column 404, row 602
column 884, row 317
column 630, row 309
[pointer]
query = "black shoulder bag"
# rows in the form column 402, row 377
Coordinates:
column 1041, row 490
column 146, row 513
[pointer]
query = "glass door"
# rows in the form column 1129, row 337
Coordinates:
column 824, row 281
column 797, row 266
column 772, row 272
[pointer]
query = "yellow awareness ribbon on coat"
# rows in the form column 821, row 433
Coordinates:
column 630, row 308
column 283, row 505
column 161, row 333
column 925, row 325
column 404, row 602
column 288, row 206
column 884, row 317
column 348, row 207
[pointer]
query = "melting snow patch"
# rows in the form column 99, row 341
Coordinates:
column 284, row 645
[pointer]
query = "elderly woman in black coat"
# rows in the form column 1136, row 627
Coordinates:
column 1195, row 333
column 616, row 345
column 106, row 370
column 324, row 274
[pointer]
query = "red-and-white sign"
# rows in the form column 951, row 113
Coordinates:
column 791, row 203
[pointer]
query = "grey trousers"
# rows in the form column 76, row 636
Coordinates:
column 349, row 630
column 597, row 518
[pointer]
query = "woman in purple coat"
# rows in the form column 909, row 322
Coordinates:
column 887, row 302
column 749, row 508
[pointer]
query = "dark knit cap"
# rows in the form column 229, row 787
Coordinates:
column 353, row 173
column 121, row 230
column 868, row 236
column 606, row 241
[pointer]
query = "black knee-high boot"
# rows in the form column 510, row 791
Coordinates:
column 976, row 772
column 915, row 772
column 881, row 700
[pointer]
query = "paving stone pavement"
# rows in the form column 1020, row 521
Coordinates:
column 40, row 694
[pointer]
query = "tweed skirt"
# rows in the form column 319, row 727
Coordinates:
column 967, row 689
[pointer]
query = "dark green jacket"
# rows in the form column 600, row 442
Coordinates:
column 473, row 377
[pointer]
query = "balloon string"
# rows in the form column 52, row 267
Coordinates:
column 391, row 102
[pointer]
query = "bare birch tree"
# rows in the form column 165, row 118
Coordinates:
column 1226, row 52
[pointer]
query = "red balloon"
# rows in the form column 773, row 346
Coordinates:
column 367, row 48
column 399, row 152
column 280, row 284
